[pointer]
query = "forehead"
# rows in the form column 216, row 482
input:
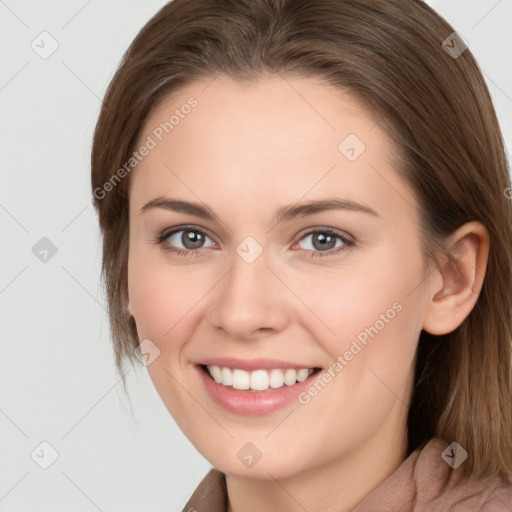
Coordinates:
column 295, row 134
column 279, row 110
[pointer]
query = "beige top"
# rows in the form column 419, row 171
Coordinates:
column 423, row 482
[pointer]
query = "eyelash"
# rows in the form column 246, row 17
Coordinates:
column 164, row 235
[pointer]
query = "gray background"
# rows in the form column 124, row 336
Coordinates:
column 57, row 378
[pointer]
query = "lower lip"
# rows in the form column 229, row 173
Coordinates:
column 251, row 403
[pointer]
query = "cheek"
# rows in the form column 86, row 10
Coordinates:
column 360, row 297
column 158, row 294
column 379, row 317
column 376, row 320
column 371, row 319
column 161, row 298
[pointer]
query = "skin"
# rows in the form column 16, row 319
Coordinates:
column 246, row 150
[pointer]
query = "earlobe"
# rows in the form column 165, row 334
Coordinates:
column 126, row 303
column 461, row 277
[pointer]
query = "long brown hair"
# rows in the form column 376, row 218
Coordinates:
column 437, row 108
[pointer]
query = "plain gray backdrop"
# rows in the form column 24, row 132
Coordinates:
column 58, row 385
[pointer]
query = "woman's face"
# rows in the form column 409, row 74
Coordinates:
column 270, row 284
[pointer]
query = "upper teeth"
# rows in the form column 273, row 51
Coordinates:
column 258, row 380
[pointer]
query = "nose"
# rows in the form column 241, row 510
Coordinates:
column 250, row 301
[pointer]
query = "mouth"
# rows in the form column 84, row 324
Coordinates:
column 259, row 380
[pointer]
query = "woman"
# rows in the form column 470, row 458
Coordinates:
column 307, row 233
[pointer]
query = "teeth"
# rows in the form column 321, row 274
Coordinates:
column 276, row 378
column 241, row 379
column 216, row 373
column 258, row 380
column 226, row 376
column 303, row 374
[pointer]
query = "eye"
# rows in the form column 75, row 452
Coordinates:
column 190, row 238
column 187, row 240
column 324, row 242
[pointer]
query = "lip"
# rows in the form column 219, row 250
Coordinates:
column 249, row 365
column 253, row 403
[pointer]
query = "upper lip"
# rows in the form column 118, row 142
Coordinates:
column 253, row 364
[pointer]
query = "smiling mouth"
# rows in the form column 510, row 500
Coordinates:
column 257, row 380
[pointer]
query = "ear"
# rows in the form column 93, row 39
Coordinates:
column 126, row 302
column 454, row 286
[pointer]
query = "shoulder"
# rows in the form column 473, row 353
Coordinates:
column 431, row 480
column 489, row 495
column 440, row 484
column 500, row 499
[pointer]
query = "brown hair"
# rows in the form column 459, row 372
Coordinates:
column 439, row 113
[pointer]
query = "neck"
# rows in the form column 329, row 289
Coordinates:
column 335, row 486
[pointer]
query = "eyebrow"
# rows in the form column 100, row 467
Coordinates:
column 284, row 213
